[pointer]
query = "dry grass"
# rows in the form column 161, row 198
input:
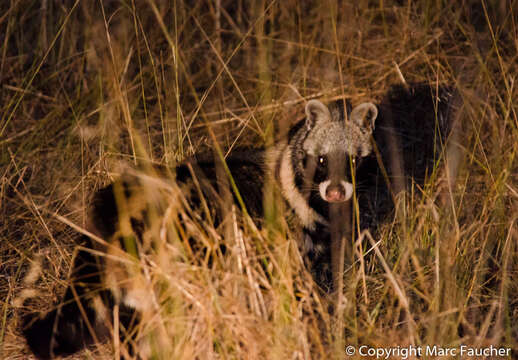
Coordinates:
column 86, row 85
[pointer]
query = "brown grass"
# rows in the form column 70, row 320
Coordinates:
column 86, row 85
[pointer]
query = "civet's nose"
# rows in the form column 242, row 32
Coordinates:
column 335, row 193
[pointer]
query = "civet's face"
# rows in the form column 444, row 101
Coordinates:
column 334, row 147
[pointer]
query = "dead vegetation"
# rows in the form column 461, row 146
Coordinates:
column 87, row 85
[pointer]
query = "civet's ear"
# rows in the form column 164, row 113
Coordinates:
column 316, row 113
column 364, row 115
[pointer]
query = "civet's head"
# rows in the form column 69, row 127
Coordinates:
column 329, row 147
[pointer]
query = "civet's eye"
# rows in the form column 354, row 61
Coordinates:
column 322, row 161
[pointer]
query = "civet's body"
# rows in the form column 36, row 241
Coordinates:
column 332, row 156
